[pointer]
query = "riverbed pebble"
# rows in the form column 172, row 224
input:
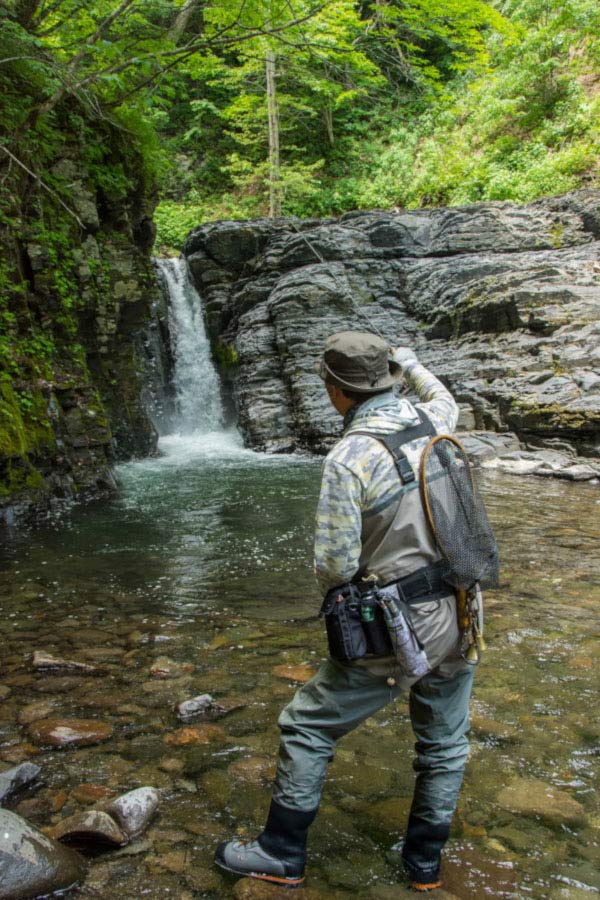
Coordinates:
column 18, row 753
column 39, row 709
column 485, row 727
column 49, row 664
column 196, row 706
column 254, row 770
column 91, row 826
column 252, row 889
column 402, row 892
column 5, row 692
column 387, row 816
column 176, row 861
column 172, row 765
column 134, row 810
column 196, row 734
column 32, row 864
column 163, row 667
column 91, row 793
column 69, row 732
column 59, row 684
column 301, row 673
column 17, row 778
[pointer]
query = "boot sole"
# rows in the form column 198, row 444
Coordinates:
column 425, row 888
column 284, row 882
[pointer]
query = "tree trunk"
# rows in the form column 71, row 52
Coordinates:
column 328, row 117
column 274, row 162
column 182, row 20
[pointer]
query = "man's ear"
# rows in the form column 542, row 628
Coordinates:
column 339, row 400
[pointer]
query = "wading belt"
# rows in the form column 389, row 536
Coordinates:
column 425, row 584
column 422, row 586
column 428, row 583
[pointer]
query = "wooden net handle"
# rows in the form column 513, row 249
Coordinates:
column 423, row 467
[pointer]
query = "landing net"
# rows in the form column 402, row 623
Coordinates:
column 457, row 515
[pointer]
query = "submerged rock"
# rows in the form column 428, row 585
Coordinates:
column 197, row 706
column 17, row 778
column 134, row 810
column 253, row 889
column 33, row 864
column 196, row 734
column 49, row 664
column 402, row 892
column 531, row 797
column 91, row 793
column 92, row 826
column 387, row 816
column 254, row 770
column 60, row 684
column 490, row 728
column 5, row 692
column 163, row 667
column 33, row 711
column 18, row 753
column 203, row 706
column 301, row 673
column 69, row 732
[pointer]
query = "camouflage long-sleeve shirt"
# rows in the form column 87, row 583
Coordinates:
column 361, row 492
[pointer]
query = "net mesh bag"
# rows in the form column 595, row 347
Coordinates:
column 457, row 515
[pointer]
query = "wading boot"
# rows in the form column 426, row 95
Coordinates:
column 422, row 853
column 278, row 854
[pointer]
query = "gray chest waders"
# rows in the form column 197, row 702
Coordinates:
column 458, row 522
column 364, row 620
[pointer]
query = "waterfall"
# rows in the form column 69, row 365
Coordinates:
column 196, row 388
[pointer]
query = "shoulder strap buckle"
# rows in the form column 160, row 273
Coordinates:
column 394, row 442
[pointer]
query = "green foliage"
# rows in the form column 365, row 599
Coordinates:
column 403, row 102
column 527, row 130
column 174, row 221
column 226, row 356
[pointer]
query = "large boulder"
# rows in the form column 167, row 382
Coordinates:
column 500, row 301
column 33, row 864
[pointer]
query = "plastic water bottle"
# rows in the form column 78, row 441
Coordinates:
column 410, row 655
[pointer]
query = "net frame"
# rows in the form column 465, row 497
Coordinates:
column 424, row 490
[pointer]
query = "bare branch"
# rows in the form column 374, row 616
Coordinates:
column 43, row 184
column 16, row 58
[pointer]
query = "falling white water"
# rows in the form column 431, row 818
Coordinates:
column 196, row 382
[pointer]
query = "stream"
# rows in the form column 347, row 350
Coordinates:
column 196, row 578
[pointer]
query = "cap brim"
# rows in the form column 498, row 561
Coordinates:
column 326, row 374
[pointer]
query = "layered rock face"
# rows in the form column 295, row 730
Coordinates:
column 502, row 302
column 77, row 290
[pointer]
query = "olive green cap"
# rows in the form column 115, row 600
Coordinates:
column 358, row 361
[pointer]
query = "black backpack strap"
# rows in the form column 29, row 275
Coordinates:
column 394, row 442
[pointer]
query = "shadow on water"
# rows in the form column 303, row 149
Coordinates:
column 197, row 578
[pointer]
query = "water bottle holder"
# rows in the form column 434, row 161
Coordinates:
column 349, row 636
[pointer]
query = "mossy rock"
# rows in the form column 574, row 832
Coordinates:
column 386, row 818
column 217, row 786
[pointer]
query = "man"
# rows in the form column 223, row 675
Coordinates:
column 371, row 524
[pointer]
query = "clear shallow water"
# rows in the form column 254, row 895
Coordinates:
column 196, row 578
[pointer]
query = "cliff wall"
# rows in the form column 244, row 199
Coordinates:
column 501, row 301
column 76, row 285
